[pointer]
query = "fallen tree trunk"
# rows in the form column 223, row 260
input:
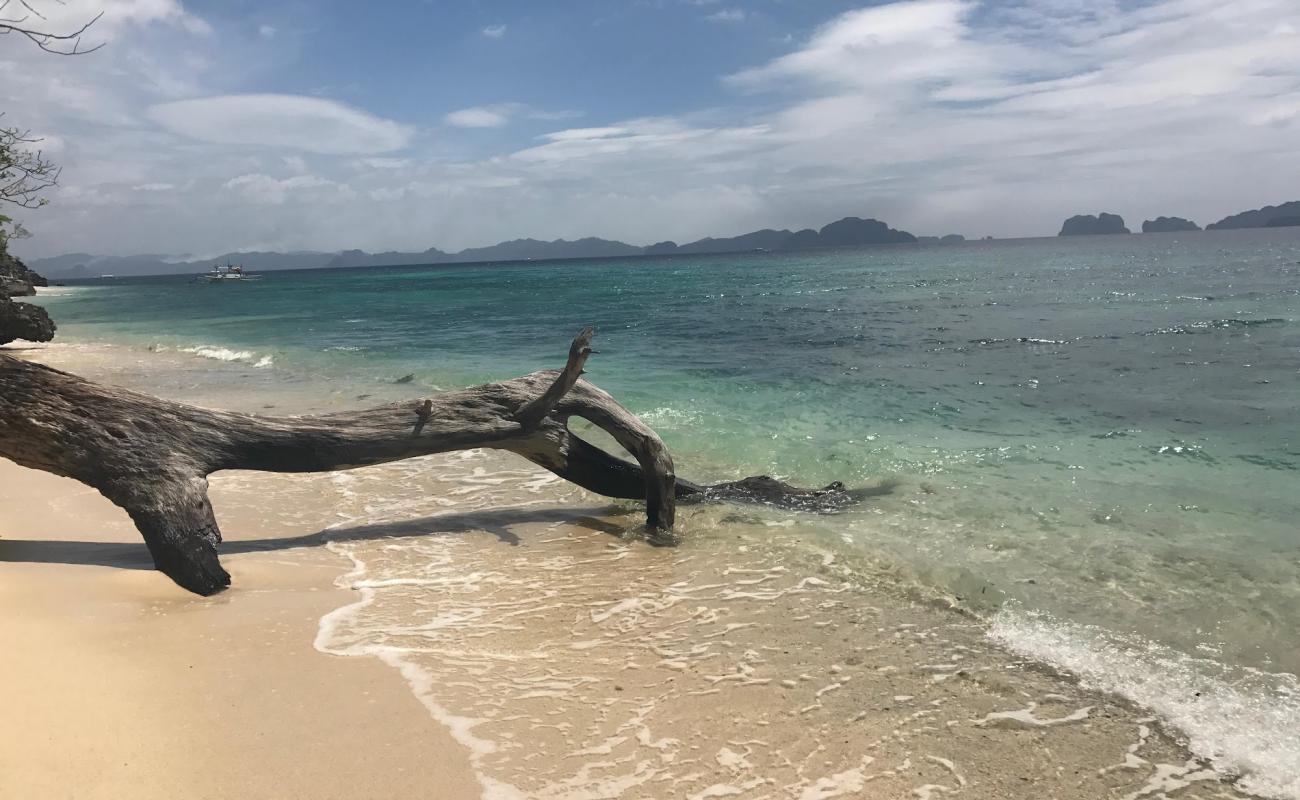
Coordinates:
column 152, row 457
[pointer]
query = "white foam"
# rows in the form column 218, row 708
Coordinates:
column 1246, row 724
column 330, row 639
column 226, row 354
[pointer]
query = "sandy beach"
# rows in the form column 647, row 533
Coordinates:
column 119, row 685
column 498, row 636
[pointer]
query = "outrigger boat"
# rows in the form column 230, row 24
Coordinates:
column 218, row 275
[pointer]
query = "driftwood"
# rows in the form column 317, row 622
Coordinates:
column 152, row 457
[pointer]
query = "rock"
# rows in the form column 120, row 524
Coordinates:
column 1088, row 225
column 1169, row 225
column 952, row 238
column 16, row 280
column 1266, row 217
column 24, row 321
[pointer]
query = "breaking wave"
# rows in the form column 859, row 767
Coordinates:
column 1244, row 722
column 226, row 354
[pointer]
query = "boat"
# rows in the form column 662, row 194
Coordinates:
column 218, row 275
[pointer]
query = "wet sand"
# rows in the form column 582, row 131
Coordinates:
column 503, row 636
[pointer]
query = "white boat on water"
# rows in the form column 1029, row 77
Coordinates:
column 218, row 275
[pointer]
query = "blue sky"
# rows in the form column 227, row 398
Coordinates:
column 203, row 127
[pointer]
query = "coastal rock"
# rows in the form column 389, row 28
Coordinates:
column 24, row 321
column 952, row 238
column 1088, row 225
column 1169, row 225
column 16, row 280
column 1266, row 217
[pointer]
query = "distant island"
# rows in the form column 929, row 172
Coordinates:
column 1286, row 215
column 1169, row 225
column 847, row 232
column 1088, row 225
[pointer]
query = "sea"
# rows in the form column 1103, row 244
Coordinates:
column 1084, row 451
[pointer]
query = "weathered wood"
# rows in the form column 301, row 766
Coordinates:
column 152, row 457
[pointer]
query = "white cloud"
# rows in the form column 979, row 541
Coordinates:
column 499, row 114
column 479, row 117
column 116, row 17
column 936, row 115
column 727, row 15
column 380, row 162
column 266, row 31
column 261, row 188
column 285, row 121
column 494, row 31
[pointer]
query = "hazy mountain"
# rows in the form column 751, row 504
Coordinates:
column 1088, row 225
column 1283, row 216
column 1169, row 225
column 847, row 232
column 531, row 249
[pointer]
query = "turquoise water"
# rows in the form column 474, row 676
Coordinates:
column 1101, row 432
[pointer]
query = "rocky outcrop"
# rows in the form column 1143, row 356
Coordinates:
column 16, row 280
column 1169, row 225
column 1266, row 217
column 21, row 320
column 951, row 238
column 1088, row 225
column 24, row 321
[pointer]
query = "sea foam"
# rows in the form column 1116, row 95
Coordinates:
column 226, row 354
column 1247, row 724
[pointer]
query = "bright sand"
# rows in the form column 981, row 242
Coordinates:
column 565, row 662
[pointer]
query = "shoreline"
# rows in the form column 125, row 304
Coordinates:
column 988, row 697
column 122, row 685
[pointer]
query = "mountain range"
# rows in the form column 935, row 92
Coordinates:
column 847, row 232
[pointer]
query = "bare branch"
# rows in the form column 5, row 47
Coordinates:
column 62, row 44
column 24, row 173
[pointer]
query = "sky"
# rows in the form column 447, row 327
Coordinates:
column 206, row 127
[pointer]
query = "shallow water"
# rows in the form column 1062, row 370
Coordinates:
column 1101, row 431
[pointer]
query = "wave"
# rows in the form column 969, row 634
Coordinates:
column 1210, row 325
column 226, row 354
column 1245, row 723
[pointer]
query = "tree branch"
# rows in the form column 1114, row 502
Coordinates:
column 152, row 457
column 61, row 44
